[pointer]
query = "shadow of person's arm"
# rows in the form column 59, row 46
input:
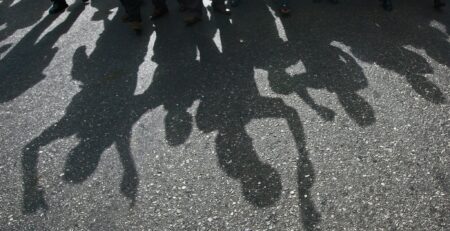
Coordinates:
column 276, row 108
column 284, row 84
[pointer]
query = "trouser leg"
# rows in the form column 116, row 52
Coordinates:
column 193, row 7
column 133, row 9
column 438, row 3
column 159, row 4
column 218, row 2
column 62, row 2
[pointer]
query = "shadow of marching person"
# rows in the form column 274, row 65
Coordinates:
column 103, row 9
column 322, row 63
column 12, row 15
column 434, row 40
column 389, row 38
column 427, row 29
column 330, row 68
column 100, row 115
column 176, row 81
column 37, row 55
column 232, row 100
column 317, row 62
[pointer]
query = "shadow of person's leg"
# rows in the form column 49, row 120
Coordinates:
column 33, row 194
column 275, row 108
column 130, row 179
column 261, row 184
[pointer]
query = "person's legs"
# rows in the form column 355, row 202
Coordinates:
column 133, row 10
column 58, row 6
column 160, row 9
column 284, row 9
column 219, row 6
column 387, row 5
column 193, row 9
column 182, row 6
column 438, row 4
column 235, row 3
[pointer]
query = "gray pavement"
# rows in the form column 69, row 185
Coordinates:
column 336, row 118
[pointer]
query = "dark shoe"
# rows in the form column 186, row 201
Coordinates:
column 284, row 10
column 136, row 26
column 387, row 5
column 235, row 3
column 182, row 8
column 58, row 7
column 158, row 13
column 438, row 4
column 222, row 9
column 126, row 18
column 191, row 20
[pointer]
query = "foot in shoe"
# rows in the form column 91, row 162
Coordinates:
column 158, row 13
column 191, row 20
column 235, row 3
column 284, row 10
column 222, row 9
column 126, row 18
column 58, row 7
column 387, row 5
column 135, row 25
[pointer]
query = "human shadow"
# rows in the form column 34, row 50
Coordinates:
column 176, row 81
column 20, row 15
column 319, row 64
column 23, row 66
column 328, row 49
column 191, row 67
column 103, row 9
column 375, row 38
column 232, row 100
column 228, row 104
column 328, row 67
column 194, row 68
column 386, row 39
column 100, row 115
column 197, row 70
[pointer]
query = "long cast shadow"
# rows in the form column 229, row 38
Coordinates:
column 224, row 84
column 100, row 115
column 20, row 15
column 387, row 35
column 325, row 66
column 232, row 100
column 22, row 67
column 177, row 80
column 222, row 80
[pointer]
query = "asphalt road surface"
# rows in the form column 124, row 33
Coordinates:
column 336, row 118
